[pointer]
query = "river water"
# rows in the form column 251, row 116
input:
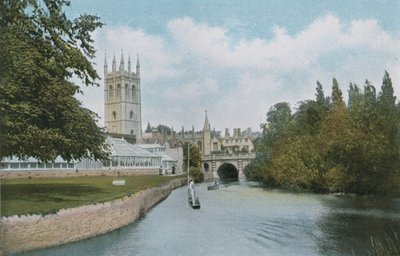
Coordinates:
column 244, row 219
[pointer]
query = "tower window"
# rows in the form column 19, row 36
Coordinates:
column 126, row 90
column 118, row 91
column 132, row 132
column 131, row 114
column 114, row 115
column 133, row 92
column 110, row 91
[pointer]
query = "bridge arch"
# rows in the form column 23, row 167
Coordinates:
column 214, row 164
column 228, row 171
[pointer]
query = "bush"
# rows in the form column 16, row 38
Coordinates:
column 337, row 179
column 196, row 174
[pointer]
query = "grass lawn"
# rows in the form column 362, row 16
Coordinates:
column 49, row 195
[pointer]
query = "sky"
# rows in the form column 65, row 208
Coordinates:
column 236, row 59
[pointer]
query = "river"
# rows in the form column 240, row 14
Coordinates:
column 244, row 219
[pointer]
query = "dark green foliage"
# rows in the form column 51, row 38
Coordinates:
column 196, row 174
column 148, row 129
column 194, row 156
column 194, row 162
column 328, row 146
column 337, row 98
column 163, row 129
column 41, row 52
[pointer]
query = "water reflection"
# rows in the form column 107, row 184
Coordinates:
column 348, row 223
column 241, row 218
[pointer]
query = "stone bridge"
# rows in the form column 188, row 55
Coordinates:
column 226, row 165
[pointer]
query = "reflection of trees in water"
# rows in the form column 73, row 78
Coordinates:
column 347, row 224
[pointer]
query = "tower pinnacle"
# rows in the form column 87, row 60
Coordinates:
column 105, row 63
column 137, row 65
column 207, row 126
column 122, row 63
column 114, row 64
column 129, row 64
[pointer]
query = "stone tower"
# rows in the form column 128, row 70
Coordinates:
column 122, row 100
column 206, row 137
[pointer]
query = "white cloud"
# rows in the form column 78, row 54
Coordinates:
column 196, row 67
column 193, row 89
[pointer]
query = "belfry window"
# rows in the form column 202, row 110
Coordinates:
column 118, row 91
column 133, row 92
column 126, row 90
column 131, row 115
column 110, row 91
column 114, row 115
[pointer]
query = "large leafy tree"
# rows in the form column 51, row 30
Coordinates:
column 41, row 52
column 328, row 146
column 279, row 117
column 388, row 124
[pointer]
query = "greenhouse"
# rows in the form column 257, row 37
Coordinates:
column 126, row 155
column 123, row 155
column 32, row 164
column 168, row 164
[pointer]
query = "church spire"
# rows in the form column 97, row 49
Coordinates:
column 114, row 64
column 122, row 63
column 207, row 126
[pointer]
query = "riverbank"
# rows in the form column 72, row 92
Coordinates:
column 23, row 233
column 24, row 196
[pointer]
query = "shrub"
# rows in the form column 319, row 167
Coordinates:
column 196, row 174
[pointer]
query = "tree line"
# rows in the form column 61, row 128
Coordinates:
column 327, row 145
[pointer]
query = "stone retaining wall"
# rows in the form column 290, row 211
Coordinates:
column 72, row 173
column 35, row 231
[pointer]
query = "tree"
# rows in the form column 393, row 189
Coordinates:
column 148, row 129
column 337, row 97
column 41, row 51
column 194, row 156
column 388, row 119
column 194, row 162
column 164, row 129
column 308, row 117
column 278, row 122
column 328, row 146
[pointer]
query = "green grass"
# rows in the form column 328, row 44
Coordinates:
column 49, row 195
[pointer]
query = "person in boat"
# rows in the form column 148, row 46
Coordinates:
column 191, row 187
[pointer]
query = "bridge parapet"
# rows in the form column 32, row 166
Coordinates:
column 244, row 156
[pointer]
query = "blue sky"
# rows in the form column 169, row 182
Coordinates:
column 238, row 58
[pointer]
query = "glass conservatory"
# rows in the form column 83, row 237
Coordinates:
column 126, row 155
column 123, row 155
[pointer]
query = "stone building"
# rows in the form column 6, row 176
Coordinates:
column 122, row 100
column 208, row 141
